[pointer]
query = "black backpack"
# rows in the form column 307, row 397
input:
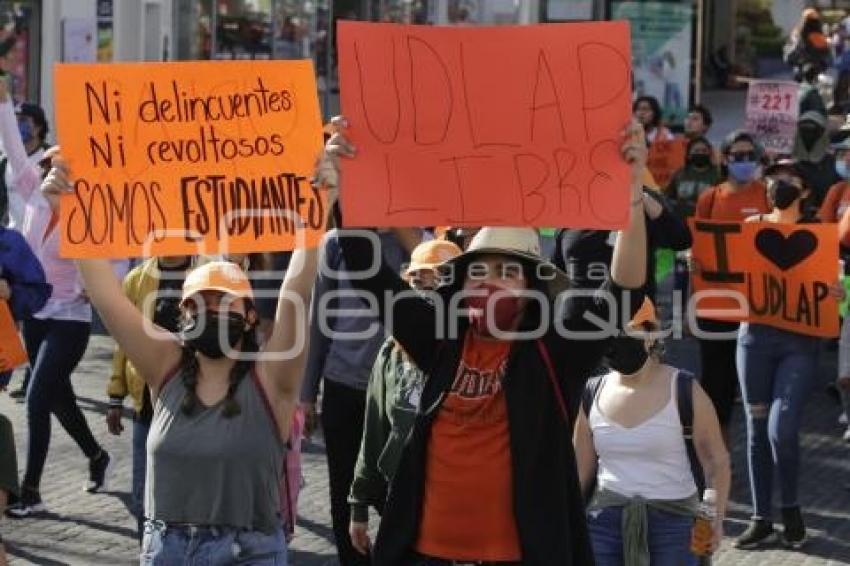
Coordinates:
column 685, row 401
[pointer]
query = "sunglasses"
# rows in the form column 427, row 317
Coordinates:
column 742, row 156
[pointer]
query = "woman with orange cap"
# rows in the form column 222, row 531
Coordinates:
column 222, row 411
column 648, row 474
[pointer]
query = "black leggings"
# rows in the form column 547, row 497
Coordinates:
column 719, row 373
column 55, row 347
column 343, row 411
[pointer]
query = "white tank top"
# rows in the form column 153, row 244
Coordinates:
column 648, row 460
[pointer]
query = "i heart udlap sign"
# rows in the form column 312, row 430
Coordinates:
column 774, row 274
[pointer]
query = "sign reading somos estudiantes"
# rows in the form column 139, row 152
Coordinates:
column 188, row 158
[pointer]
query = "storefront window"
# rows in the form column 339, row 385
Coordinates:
column 243, row 29
column 400, row 11
column 479, row 12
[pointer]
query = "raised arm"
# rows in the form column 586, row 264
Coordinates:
column 27, row 175
column 153, row 350
column 412, row 319
column 628, row 266
column 282, row 366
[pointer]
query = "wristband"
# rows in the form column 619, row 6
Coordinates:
column 116, row 402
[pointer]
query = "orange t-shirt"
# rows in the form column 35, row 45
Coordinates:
column 836, row 203
column 467, row 508
column 722, row 203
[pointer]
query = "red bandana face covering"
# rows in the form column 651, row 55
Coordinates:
column 502, row 316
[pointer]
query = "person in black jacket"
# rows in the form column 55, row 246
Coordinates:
column 488, row 473
column 586, row 254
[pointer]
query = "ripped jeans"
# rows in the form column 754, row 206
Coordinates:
column 169, row 545
column 777, row 370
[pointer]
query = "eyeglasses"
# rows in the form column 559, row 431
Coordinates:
column 742, row 156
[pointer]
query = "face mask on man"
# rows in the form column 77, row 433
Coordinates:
column 626, row 355
column 207, row 341
column 743, row 171
column 501, row 316
column 782, row 193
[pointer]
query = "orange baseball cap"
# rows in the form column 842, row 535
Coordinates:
column 222, row 276
column 646, row 313
column 431, row 254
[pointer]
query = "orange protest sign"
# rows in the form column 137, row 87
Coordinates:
column 189, row 158
column 465, row 126
column 664, row 159
column 12, row 353
column 774, row 274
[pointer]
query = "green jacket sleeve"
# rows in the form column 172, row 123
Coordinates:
column 370, row 486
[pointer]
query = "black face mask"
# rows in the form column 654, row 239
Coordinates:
column 782, row 194
column 810, row 134
column 700, row 160
column 626, row 355
column 207, row 341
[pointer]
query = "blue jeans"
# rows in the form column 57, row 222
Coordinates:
column 211, row 547
column 776, row 369
column 669, row 537
column 55, row 347
column 140, row 454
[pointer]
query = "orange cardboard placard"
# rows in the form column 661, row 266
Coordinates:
column 189, row 158
column 12, row 352
column 774, row 274
column 508, row 125
column 665, row 158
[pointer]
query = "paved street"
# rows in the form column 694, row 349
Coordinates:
column 97, row 529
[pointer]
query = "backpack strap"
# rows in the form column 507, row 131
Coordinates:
column 553, row 379
column 590, row 393
column 685, row 401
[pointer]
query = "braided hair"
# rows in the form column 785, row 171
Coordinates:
column 189, row 369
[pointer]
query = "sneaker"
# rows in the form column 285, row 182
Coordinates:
column 98, row 472
column 794, row 535
column 758, row 533
column 847, row 435
column 29, row 504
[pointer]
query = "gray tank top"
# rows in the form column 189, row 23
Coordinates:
column 206, row 469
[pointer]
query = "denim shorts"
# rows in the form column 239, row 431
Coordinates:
column 168, row 545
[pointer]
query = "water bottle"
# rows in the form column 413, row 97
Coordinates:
column 704, row 525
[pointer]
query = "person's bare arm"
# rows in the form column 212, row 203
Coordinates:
column 152, row 350
column 712, row 453
column 586, row 459
column 628, row 265
column 286, row 349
